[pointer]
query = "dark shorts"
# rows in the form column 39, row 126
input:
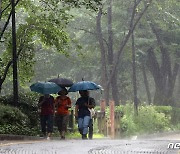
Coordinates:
column 62, row 122
column 46, row 123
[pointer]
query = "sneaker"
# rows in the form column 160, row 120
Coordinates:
column 84, row 137
column 48, row 138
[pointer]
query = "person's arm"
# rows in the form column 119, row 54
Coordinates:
column 41, row 101
column 91, row 103
column 53, row 105
column 76, row 110
column 69, row 103
column 56, row 102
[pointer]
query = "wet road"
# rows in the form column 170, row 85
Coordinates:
column 156, row 145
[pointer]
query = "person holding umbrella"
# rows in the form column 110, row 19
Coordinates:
column 82, row 112
column 62, row 104
column 46, row 105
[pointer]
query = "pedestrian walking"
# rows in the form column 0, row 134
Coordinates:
column 46, row 106
column 62, row 105
column 83, row 114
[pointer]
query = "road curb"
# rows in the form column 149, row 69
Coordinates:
column 18, row 137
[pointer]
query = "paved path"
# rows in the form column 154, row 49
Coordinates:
column 156, row 145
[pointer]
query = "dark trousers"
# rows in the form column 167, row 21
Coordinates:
column 62, row 122
column 90, row 135
column 46, row 124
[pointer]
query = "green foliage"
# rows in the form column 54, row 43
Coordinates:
column 21, row 120
column 12, row 115
column 167, row 110
column 175, row 117
column 150, row 119
column 27, row 105
column 128, row 126
column 18, row 130
column 39, row 24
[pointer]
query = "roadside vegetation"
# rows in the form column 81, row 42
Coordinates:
column 24, row 119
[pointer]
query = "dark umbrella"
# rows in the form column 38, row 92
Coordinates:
column 84, row 85
column 63, row 82
column 45, row 87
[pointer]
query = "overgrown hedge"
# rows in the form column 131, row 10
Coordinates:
column 150, row 119
column 21, row 120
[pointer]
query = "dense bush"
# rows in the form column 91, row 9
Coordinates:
column 128, row 126
column 20, row 120
column 175, row 116
column 18, row 130
column 13, row 121
column 167, row 110
column 150, row 119
column 12, row 115
column 27, row 104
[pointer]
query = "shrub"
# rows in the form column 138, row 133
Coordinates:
column 167, row 110
column 128, row 127
column 12, row 115
column 27, row 104
column 175, row 117
column 21, row 120
column 150, row 121
column 18, row 130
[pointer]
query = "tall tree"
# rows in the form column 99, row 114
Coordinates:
column 44, row 23
column 104, row 75
column 135, row 18
column 162, row 56
column 14, row 55
column 164, row 76
column 114, row 87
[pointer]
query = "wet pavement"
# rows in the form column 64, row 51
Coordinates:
column 156, row 145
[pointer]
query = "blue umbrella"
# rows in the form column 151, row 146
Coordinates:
column 45, row 87
column 84, row 85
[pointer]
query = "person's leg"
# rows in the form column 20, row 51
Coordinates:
column 59, row 123
column 49, row 125
column 90, row 135
column 80, row 125
column 43, row 124
column 85, row 126
column 65, row 121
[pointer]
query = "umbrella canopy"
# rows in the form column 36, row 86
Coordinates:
column 63, row 82
column 45, row 87
column 84, row 85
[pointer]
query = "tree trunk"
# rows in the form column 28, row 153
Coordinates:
column 154, row 68
column 0, row 9
column 134, row 75
column 167, row 76
column 124, row 42
column 104, row 76
column 14, row 55
column 164, row 79
column 146, row 84
column 114, row 86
